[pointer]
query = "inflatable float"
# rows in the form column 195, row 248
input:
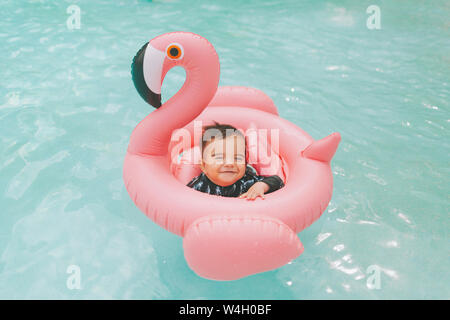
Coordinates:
column 223, row 238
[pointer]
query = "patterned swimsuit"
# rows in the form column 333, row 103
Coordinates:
column 203, row 184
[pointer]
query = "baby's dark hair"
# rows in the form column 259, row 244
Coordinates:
column 217, row 130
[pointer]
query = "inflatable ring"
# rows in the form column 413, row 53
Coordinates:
column 223, row 238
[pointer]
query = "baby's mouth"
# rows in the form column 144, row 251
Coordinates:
column 228, row 171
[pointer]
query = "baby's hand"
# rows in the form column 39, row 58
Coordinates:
column 256, row 190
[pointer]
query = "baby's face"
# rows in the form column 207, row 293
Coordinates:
column 223, row 160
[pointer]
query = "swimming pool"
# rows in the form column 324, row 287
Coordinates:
column 68, row 106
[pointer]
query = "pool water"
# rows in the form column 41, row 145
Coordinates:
column 68, row 106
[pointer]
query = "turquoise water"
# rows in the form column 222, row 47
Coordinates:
column 68, row 106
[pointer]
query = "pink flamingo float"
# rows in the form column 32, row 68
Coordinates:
column 223, row 238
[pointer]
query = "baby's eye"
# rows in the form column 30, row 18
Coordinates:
column 218, row 157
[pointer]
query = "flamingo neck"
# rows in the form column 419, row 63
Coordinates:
column 152, row 135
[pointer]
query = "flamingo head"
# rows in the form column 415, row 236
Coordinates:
column 152, row 62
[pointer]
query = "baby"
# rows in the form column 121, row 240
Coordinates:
column 224, row 165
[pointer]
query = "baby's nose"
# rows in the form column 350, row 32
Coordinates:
column 229, row 160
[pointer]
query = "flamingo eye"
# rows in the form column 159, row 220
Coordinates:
column 174, row 51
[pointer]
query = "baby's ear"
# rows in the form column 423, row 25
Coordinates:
column 202, row 165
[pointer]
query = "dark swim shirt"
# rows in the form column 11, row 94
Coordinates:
column 203, row 184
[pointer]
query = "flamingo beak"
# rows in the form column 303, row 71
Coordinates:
column 146, row 71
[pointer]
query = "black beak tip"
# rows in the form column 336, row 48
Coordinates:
column 154, row 99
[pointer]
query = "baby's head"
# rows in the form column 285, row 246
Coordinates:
column 223, row 154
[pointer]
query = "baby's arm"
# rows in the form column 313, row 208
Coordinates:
column 264, row 185
column 274, row 183
column 256, row 190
